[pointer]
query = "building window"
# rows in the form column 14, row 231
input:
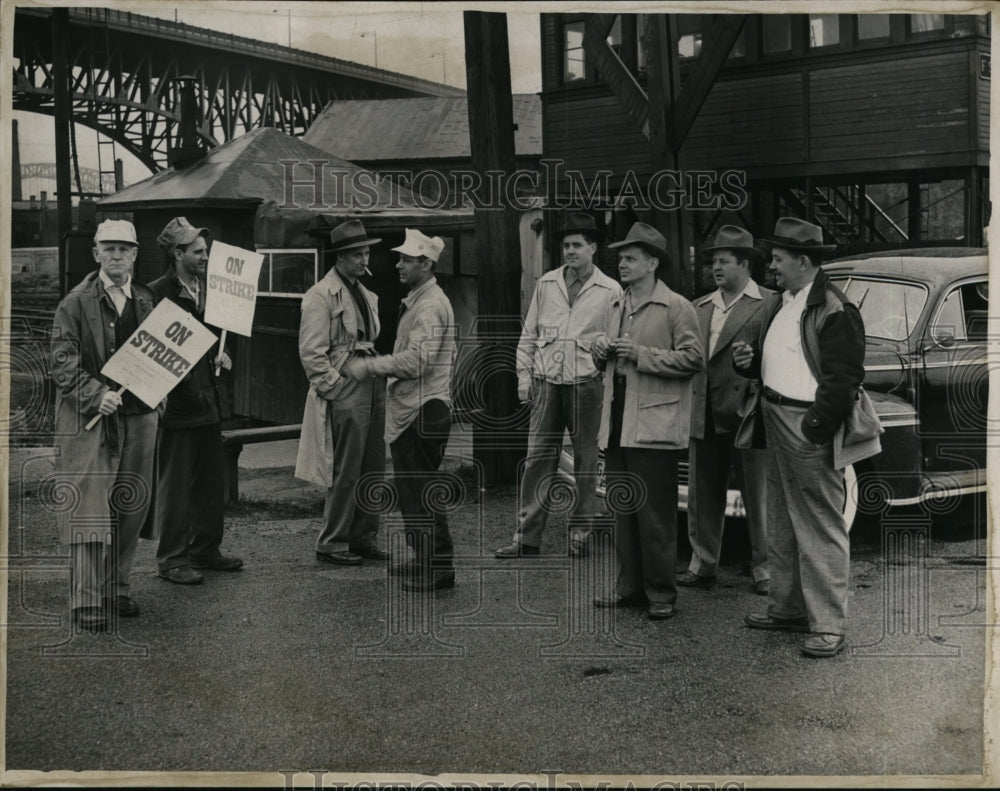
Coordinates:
column 824, row 30
column 640, row 45
column 739, row 49
column 688, row 36
column 926, row 23
column 872, row 26
column 777, row 33
column 615, row 36
column 287, row 272
column 574, row 62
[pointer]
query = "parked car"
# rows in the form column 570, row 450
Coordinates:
column 925, row 314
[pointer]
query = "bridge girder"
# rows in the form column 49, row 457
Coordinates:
column 123, row 81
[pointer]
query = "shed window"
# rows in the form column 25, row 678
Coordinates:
column 872, row 26
column 777, row 33
column 688, row 36
column 287, row 272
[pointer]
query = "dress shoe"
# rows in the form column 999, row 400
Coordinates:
column 824, row 645
column 659, row 611
column 371, row 553
column 410, row 568
column 756, row 621
column 123, row 606
column 182, row 575
column 439, row 580
column 619, row 601
column 689, row 579
column 762, row 587
column 516, row 550
column 342, row 558
column 91, row 619
column 577, row 548
column 220, row 563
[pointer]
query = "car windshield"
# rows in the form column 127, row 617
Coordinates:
column 889, row 308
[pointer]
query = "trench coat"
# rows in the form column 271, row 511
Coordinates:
column 657, row 411
column 327, row 335
column 83, row 339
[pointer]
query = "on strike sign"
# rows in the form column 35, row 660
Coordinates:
column 160, row 353
column 232, row 287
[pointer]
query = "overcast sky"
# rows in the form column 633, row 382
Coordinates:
column 420, row 39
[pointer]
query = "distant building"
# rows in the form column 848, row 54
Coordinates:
column 425, row 137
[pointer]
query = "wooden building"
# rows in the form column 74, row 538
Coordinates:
column 875, row 126
column 266, row 191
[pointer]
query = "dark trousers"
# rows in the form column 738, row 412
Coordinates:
column 642, row 492
column 189, row 497
column 416, row 456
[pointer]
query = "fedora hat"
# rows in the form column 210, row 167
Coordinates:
column 647, row 237
column 791, row 233
column 580, row 222
column 349, row 235
column 739, row 240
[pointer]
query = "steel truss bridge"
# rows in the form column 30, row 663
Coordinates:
column 123, row 71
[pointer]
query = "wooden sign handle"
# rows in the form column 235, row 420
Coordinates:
column 222, row 350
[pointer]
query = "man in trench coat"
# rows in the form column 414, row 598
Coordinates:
column 106, row 473
column 342, row 441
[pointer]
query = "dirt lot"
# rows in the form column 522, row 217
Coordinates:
column 293, row 664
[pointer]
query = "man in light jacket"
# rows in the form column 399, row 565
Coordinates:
column 653, row 348
column 556, row 374
column 418, row 410
column 344, row 419
column 111, row 467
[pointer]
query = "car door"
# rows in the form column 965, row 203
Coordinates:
column 952, row 395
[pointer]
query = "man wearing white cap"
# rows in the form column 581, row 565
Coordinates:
column 418, row 408
column 343, row 420
column 190, row 500
column 109, row 468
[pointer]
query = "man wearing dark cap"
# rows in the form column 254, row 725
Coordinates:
column 557, row 375
column 809, row 357
column 734, row 311
column 111, row 466
column 190, row 494
column 653, row 348
column 344, row 418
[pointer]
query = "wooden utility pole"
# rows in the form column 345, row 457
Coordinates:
column 499, row 440
column 60, row 84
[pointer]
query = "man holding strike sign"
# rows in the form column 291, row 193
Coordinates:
column 190, row 497
column 110, row 469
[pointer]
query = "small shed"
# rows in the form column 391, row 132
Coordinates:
column 281, row 196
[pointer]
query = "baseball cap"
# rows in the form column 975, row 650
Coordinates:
column 116, row 231
column 418, row 244
column 180, row 231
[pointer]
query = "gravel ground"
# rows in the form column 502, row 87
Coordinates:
column 294, row 664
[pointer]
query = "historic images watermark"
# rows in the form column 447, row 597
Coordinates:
column 321, row 184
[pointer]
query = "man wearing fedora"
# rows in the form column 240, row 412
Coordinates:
column 112, row 465
column 652, row 347
column 557, row 376
column 418, row 412
column 190, row 496
column 344, row 419
column 734, row 311
column 809, row 358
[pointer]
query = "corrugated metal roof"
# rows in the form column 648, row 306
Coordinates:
column 419, row 128
column 250, row 168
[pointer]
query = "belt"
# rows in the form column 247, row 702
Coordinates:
column 778, row 398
